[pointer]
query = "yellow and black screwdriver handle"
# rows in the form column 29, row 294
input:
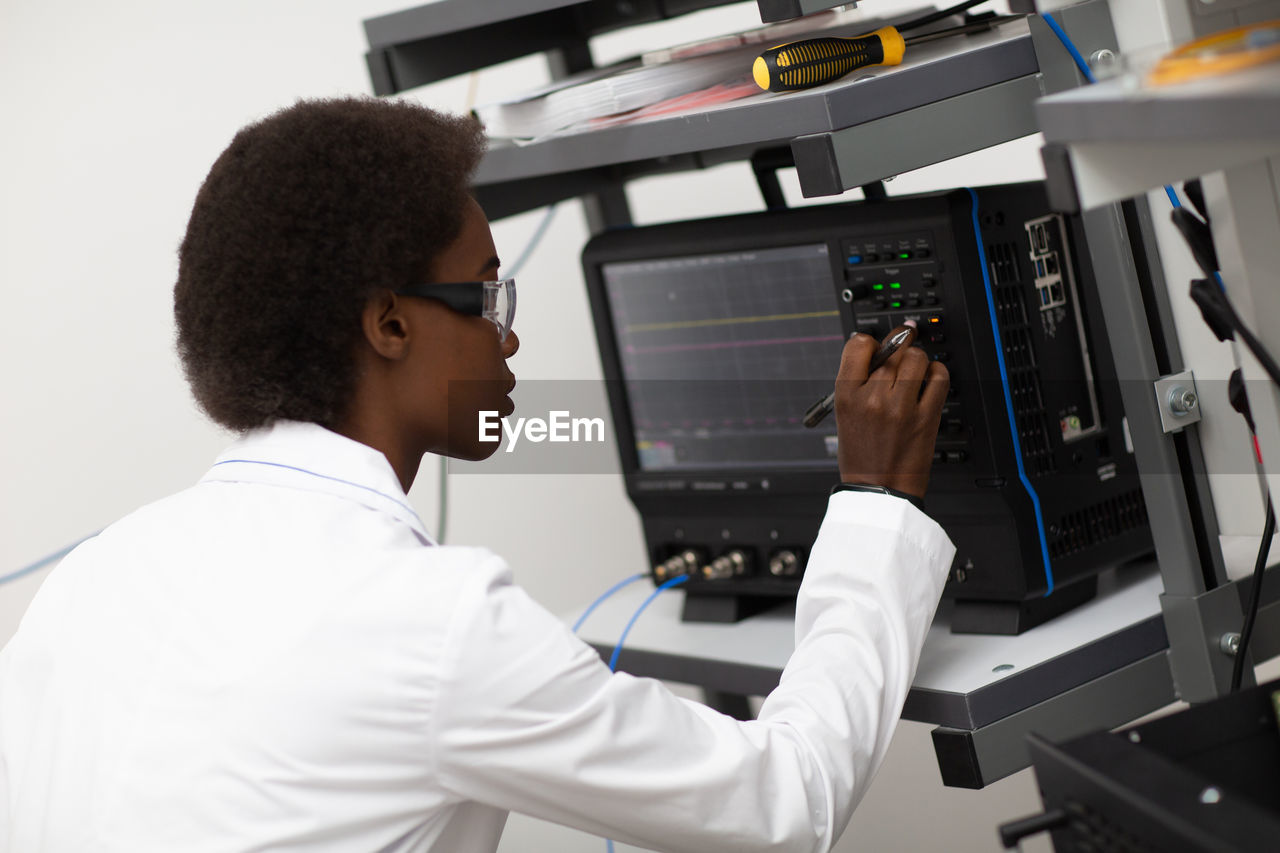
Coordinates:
column 812, row 62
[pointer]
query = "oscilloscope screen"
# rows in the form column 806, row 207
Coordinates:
column 721, row 354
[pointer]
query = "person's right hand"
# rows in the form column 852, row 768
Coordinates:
column 887, row 423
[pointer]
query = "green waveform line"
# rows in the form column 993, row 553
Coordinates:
column 726, row 321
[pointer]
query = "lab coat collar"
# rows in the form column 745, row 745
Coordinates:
column 309, row 457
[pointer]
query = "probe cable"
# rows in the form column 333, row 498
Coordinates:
column 617, row 650
column 663, row 587
column 1255, row 596
column 1221, row 317
column 44, row 561
column 930, row 17
column 608, row 592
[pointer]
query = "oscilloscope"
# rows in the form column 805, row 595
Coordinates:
column 716, row 335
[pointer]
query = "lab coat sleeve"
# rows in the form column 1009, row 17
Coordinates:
column 529, row 719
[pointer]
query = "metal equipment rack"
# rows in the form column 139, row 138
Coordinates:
column 984, row 90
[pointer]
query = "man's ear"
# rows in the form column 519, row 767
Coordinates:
column 385, row 326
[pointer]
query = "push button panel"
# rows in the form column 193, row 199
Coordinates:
column 892, row 273
column 897, row 277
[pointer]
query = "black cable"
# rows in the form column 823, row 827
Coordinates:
column 1222, row 318
column 1259, row 351
column 1219, row 311
column 1255, row 596
column 1199, row 239
column 924, row 20
column 1195, row 192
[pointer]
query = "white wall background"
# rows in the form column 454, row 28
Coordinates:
column 112, row 114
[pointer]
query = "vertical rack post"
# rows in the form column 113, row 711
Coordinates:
column 1197, row 605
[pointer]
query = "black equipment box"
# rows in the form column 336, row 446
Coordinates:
column 1204, row 779
column 716, row 335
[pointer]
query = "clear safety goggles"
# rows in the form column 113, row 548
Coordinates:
column 493, row 300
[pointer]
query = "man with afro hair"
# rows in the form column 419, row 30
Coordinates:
column 282, row 658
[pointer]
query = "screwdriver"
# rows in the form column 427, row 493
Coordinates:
column 903, row 336
column 812, row 62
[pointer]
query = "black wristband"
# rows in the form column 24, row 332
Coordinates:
column 918, row 503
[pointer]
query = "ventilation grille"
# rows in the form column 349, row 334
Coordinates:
column 1021, row 367
column 1091, row 830
column 1085, row 528
column 1002, row 258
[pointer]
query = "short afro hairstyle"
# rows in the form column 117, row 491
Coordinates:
column 305, row 216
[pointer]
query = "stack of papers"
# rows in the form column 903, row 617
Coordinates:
column 616, row 89
column 697, row 75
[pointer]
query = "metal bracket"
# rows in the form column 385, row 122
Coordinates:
column 1199, row 628
column 1178, row 401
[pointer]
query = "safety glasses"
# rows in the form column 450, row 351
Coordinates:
column 493, row 300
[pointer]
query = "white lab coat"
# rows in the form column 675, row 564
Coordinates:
column 279, row 658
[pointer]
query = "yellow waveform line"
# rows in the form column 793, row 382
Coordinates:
column 725, row 321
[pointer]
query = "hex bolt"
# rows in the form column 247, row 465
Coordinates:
column 1230, row 643
column 1182, row 400
column 1102, row 60
column 1210, row 795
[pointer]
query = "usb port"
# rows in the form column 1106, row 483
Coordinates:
column 1039, row 268
column 1051, row 263
column 1055, row 293
column 1044, row 297
column 1039, row 234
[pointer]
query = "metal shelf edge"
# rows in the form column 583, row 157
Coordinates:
column 975, row 69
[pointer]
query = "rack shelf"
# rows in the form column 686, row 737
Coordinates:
column 1122, row 140
column 980, row 88
column 438, row 40
column 1096, row 667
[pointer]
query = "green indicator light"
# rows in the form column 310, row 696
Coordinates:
column 904, row 255
column 897, row 285
column 895, row 304
column 877, row 287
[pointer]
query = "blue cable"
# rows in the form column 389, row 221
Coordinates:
column 613, row 661
column 1071, row 48
column 608, row 592
column 538, row 234
column 617, row 650
column 44, row 561
column 1084, row 69
column 1078, row 58
column 1173, row 199
column 1008, row 397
